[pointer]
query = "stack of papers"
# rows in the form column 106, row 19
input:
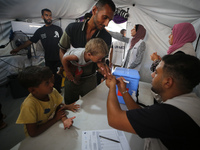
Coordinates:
column 109, row 139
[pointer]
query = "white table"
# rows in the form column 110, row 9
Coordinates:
column 91, row 116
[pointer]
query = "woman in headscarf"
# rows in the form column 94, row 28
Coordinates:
column 180, row 39
column 135, row 47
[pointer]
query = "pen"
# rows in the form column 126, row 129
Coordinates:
column 126, row 81
column 109, row 139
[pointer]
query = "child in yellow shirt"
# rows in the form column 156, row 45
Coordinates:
column 43, row 106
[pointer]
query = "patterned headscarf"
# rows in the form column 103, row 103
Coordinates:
column 182, row 33
column 140, row 34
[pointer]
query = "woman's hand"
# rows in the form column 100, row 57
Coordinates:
column 155, row 56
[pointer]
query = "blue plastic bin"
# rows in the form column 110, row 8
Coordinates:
column 130, row 75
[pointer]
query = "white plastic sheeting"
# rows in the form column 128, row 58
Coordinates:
column 165, row 11
column 156, row 38
column 28, row 9
column 157, row 16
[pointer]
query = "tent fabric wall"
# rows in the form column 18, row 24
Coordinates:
column 161, row 10
column 68, row 9
column 158, row 17
column 10, row 64
column 156, row 38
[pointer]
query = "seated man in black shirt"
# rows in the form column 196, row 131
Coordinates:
column 172, row 124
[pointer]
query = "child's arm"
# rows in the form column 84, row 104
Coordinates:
column 65, row 61
column 67, row 122
column 34, row 129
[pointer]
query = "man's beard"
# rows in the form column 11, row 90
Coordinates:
column 155, row 90
column 96, row 24
column 94, row 20
column 156, row 96
column 47, row 22
column 152, row 89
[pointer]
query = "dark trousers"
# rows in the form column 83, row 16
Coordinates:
column 53, row 65
column 72, row 91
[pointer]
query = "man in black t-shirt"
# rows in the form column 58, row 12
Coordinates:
column 173, row 124
column 49, row 35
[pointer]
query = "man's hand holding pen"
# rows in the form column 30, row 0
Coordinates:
column 111, row 82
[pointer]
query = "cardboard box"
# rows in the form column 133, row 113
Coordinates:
column 130, row 75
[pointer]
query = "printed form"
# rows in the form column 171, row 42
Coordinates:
column 109, row 139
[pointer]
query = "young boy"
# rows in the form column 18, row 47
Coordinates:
column 94, row 51
column 43, row 107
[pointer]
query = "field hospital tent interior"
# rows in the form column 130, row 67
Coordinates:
column 157, row 16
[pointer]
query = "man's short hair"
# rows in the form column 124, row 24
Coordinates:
column 87, row 15
column 123, row 31
column 96, row 46
column 184, row 69
column 33, row 76
column 110, row 3
column 45, row 9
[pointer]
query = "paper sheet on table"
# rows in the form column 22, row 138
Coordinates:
column 92, row 141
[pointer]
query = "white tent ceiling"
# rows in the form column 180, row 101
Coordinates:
column 158, row 17
column 164, row 11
